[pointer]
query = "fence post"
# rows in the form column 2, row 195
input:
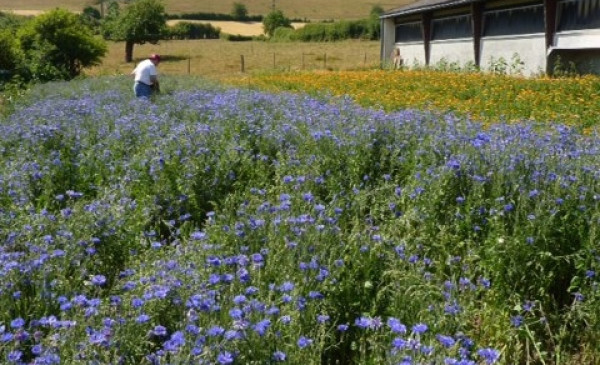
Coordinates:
column 365, row 61
column 242, row 68
column 325, row 60
column 303, row 60
column 189, row 65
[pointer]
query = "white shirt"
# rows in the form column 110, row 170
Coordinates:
column 143, row 71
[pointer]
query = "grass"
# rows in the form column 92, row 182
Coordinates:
column 307, row 9
column 219, row 59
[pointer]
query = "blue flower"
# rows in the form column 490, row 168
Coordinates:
column 17, row 323
column 304, row 342
column 489, row 355
column 225, row 357
column 279, row 356
column 419, row 328
column 99, row 280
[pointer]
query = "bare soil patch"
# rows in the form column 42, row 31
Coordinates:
column 230, row 27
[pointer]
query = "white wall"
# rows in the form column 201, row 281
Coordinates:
column 412, row 53
column 588, row 38
column 455, row 50
column 530, row 48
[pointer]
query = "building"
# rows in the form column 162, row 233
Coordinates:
column 533, row 35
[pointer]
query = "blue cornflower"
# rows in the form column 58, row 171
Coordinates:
column 446, row 341
column 342, row 327
column 516, row 321
column 362, row 322
column 14, row 356
column 225, row 357
column 262, row 326
column 322, row 318
column 490, row 355
column 160, row 330
column 304, row 342
column 419, row 328
column 279, row 356
column 395, row 325
column 17, row 323
column 99, row 280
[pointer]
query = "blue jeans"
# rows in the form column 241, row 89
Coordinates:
column 142, row 90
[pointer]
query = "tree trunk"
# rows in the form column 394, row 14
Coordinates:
column 129, row 51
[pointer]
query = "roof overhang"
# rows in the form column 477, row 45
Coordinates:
column 425, row 5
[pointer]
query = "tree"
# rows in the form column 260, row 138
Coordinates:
column 10, row 56
column 239, row 11
column 57, row 45
column 274, row 20
column 142, row 21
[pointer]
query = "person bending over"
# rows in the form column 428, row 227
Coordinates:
column 146, row 77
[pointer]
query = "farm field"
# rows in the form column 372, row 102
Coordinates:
column 218, row 59
column 233, row 226
column 307, row 9
column 231, row 27
column 484, row 97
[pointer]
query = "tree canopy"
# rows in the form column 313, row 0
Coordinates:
column 275, row 19
column 140, row 22
column 57, row 45
column 239, row 11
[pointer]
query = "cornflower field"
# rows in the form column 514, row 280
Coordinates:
column 219, row 225
column 485, row 97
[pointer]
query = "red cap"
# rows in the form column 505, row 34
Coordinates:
column 155, row 57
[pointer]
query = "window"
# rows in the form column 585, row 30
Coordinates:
column 409, row 32
column 580, row 14
column 523, row 20
column 452, row 28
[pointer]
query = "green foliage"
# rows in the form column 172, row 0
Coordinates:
column 142, row 21
column 10, row 56
column 237, row 37
column 212, row 16
column 185, row 30
column 274, row 20
column 57, row 45
column 91, row 17
column 329, row 32
column 239, row 11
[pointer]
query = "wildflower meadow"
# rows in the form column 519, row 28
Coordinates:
column 219, row 225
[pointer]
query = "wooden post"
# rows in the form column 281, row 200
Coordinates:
column 303, row 60
column 477, row 16
column 365, row 61
column 426, row 29
column 325, row 60
column 189, row 65
column 242, row 68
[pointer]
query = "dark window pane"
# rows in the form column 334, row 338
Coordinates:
column 580, row 14
column 409, row 32
column 525, row 20
column 452, row 28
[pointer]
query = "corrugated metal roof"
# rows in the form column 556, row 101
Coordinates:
column 424, row 5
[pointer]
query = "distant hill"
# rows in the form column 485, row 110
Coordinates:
column 301, row 9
